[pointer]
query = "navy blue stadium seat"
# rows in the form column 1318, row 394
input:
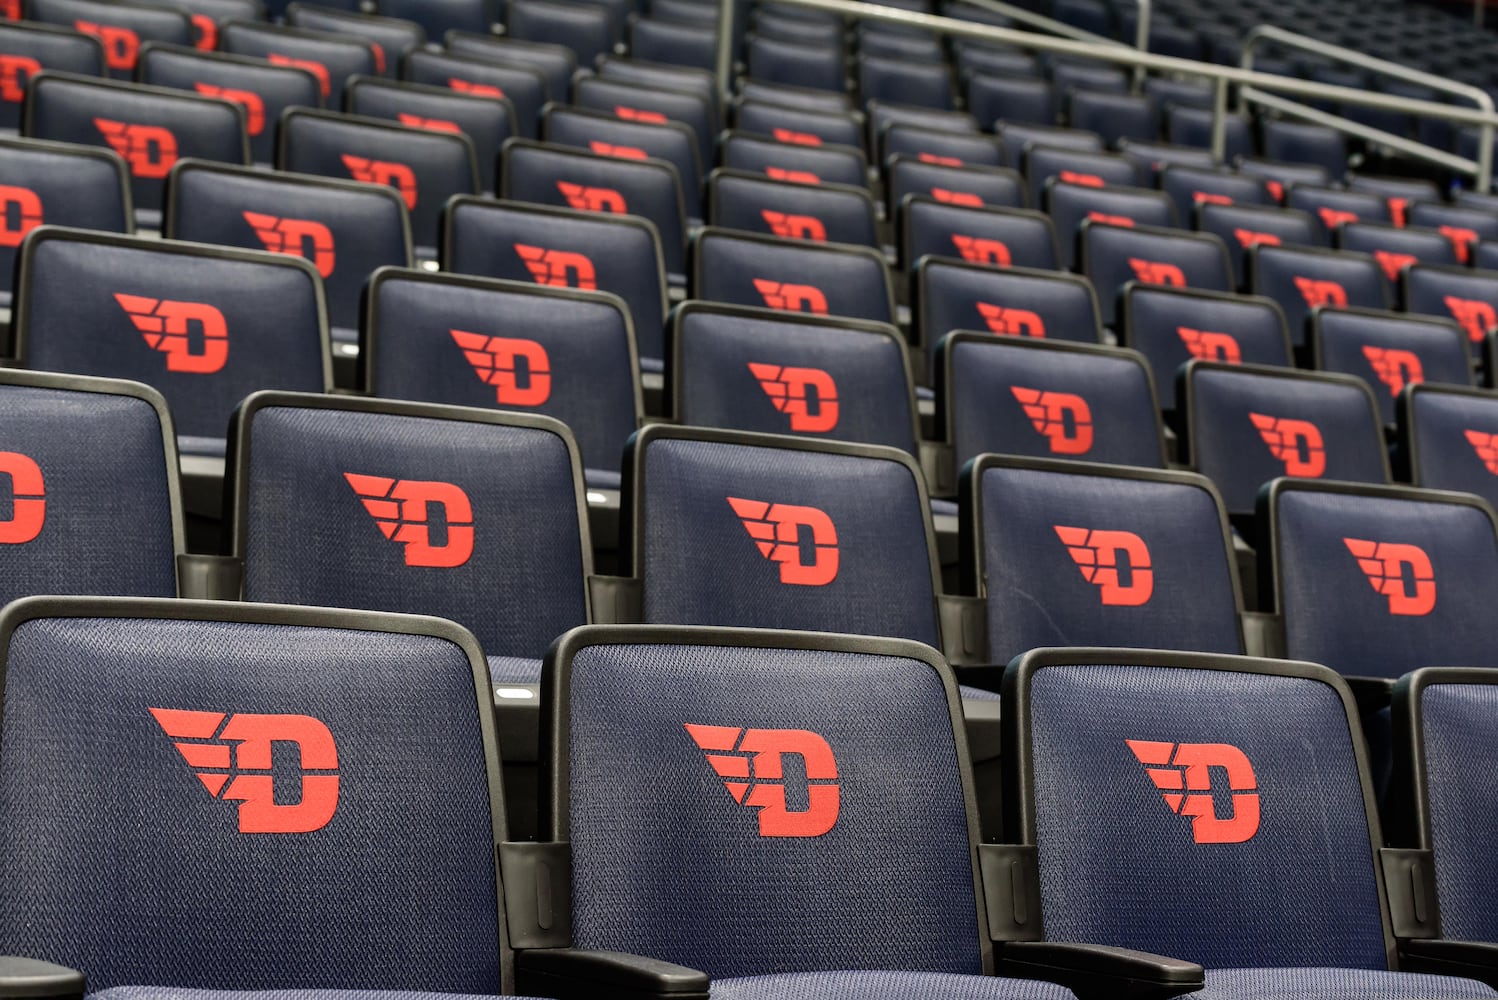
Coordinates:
column 656, row 39
column 523, row 86
column 440, row 16
column 1298, row 142
column 586, row 28
column 1024, row 100
column 1243, row 226
column 1000, row 237
column 392, row 37
column 665, row 76
column 685, row 12
column 1280, row 175
column 1075, row 166
column 1168, row 92
column 332, row 58
column 799, row 63
column 1191, row 187
column 344, row 229
column 1113, row 116
column 1303, row 279
column 30, row 48
column 479, row 342
column 557, row 63
column 59, row 184
column 799, row 126
column 1396, row 248
column 1171, row 326
column 607, row 134
column 950, row 149
column 1470, row 297
column 1187, row 126
column 94, row 505
column 487, row 121
column 1151, row 158
column 1114, row 256
column 788, row 162
column 150, row 127
column 204, row 325
column 764, row 371
column 1243, row 426
column 863, row 716
column 1046, row 400
column 1464, row 227
column 1068, row 74
column 1199, row 762
column 824, row 213
column 208, row 15
column 1066, row 553
column 588, row 182
column 1374, row 581
column 796, row 276
column 243, row 737
column 263, row 90
column 417, row 508
column 1399, row 192
column 811, row 98
column 1015, row 136
column 563, row 248
column 905, row 80
column 120, row 27
column 426, row 167
column 1071, row 205
column 1390, row 351
column 969, row 186
column 1446, row 439
column 1337, row 206
column 885, row 115
column 1001, row 61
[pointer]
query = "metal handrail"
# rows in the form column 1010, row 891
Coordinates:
column 1126, row 56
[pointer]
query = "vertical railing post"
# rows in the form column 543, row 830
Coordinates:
column 1220, row 120
column 1141, row 40
column 727, row 32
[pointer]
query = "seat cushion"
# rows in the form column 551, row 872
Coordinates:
column 1344, row 984
column 883, row 986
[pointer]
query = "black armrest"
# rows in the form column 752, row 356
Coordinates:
column 1468, row 959
column 565, row 973
column 28, row 977
column 1098, row 971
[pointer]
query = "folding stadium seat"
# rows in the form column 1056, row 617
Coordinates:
column 30, row 48
column 1062, row 553
column 1396, row 249
column 798, row 126
column 586, row 28
column 1113, row 116
column 1390, row 350
column 928, row 84
column 607, row 135
column 1171, row 326
column 263, row 90
column 994, row 99
column 797, row 23
column 150, row 127
column 1043, row 399
column 1015, row 136
column 1193, row 127
column 1075, row 166
column 1150, row 158
column 883, row 115
column 665, row 76
column 344, row 229
column 1399, row 192
column 1001, row 237
column 971, row 186
column 332, row 58
column 1463, row 227
column 1070, row 205
column 1446, row 439
column 1303, row 279
column 1190, row 187
column 1280, row 175
column 659, row 40
column 951, row 149
column 1166, row 93
column 426, row 167
column 1088, row 75
column 1241, row 227
column 60, row 184
column 891, row 41
column 441, row 16
column 1114, row 256
column 1296, row 142
column 336, row 481
column 487, row 121
column 408, row 823
column 120, row 28
column 792, row 96
column 557, row 63
column 1429, row 558
column 1108, row 731
column 1467, row 296
column 78, row 451
column 204, row 325
column 1243, row 426
column 208, row 15
column 523, row 86
column 999, row 61
column 788, row 162
column 764, row 371
column 391, row 37
column 1335, row 206
column 685, row 12
column 824, row 213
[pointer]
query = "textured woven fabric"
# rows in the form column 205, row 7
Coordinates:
column 1039, row 596
column 1113, row 254
column 514, row 670
column 701, row 565
column 523, row 86
column 605, row 93
column 76, row 188
column 737, row 271
column 1440, row 350
column 64, row 53
column 311, row 540
column 913, row 139
column 1119, row 867
column 172, row 993
column 667, row 863
column 1462, row 785
column 1044, row 162
column 993, row 385
column 271, row 317
column 1344, row 984
column 487, row 123
column 1334, row 615
column 741, row 201
column 1292, row 227
column 993, row 186
column 342, row 57
column 1430, row 289
column 743, row 151
column 106, row 525
column 951, row 296
column 930, row 225
column 569, row 126
column 1276, row 268
column 585, row 361
column 119, row 859
column 730, row 364
column 1445, row 456
column 880, row 986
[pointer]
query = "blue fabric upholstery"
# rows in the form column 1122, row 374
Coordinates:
column 358, row 230
column 1176, row 594
column 1280, row 175
column 557, row 63
column 888, row 884
column 1332, row 599
column 1463, row 226
column 941, row 145
column 1396, row 249
column 623, row 256
column 1190, row 186
column 1023, row 398
column 926, row 83
column 393, row 38
column 1301, row 279
column 1335, row 206
column 587, row 29
column 598, row 131
column 176, row 993
column 993, row 98
column 314, row 536
column 441, row 16
column 122, row 864
column 627, row 100
column 701, row 563
column 660, row 76
column 662, row 39
column 143, row 24
column 973, row 186
column 1171, row 327
column 1391, row 351
column 1193, row 127
column 880, row 986
column 956, row 296
column 1248, row 427
column 1299, row 890
column 1447, row 436
column 1319, row 983
column 334, row 57
column 1113, row 256
column 77, row 322
column 792, row 275
column 782, row 123
column 756, row 204
column 998, row 236
column 485, row 120
column 1072, row 204
column 65, row 50
column 523, row 86
column 787, row 161
column 1114, row 116
column 736, row 371
column 1075, row 166
column 1243, row 226
column 1299, row 142
column 781, row 60
column 1469, row 297
column 426, row 167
